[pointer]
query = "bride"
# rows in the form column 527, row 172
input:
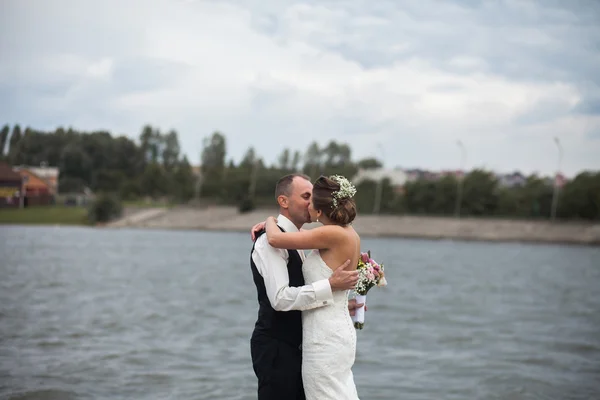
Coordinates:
column 328, row 334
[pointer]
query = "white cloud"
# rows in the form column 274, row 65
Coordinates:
column 279, row 74
column 101, row 69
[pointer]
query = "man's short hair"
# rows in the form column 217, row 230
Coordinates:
column 284, row 184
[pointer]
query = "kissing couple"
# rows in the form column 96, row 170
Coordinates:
column 304, row 342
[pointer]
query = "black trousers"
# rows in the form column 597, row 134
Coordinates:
column 278, row 367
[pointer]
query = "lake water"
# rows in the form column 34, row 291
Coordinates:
column 139, row 314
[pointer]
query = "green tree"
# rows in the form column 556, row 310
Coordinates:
column 249, row 159
column 446, row 191
column 154, row 166
column 312, row 160
column 284, row 160
column 183, row 181
column 580, row 198
column 336, row 155
column 76, row 163
column 151, row 143
column 420, row 196
column 531, row 200
column 295, row 165
column 127, row 157
column 106, row 207
column 108, row 181
column 170, row 152
column 153, row 181
column 13, row 149
column 213, row 157
column 479, row 193
column 369, row 163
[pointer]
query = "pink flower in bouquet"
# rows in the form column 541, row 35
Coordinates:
column 371, row 274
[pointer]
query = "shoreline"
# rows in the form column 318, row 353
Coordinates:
column 227, row 219
column 528, row 241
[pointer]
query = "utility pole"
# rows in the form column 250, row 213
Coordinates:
column 199, row 178
column 379, row 188
column 556, row 188
column 198, row 185
column 459, row 190
column 253, row 179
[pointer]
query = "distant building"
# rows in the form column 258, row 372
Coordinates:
column 457, row 174
column 414, row 174
column 11, row 187
column 37, row 191
column 514, row 179
column 397, row 177
column 418, row 174
column 48, row 174
column 561, row 180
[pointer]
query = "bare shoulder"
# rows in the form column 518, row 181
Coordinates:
column 347, row 235
column 330, row 235
column 354, row 236
column 333, row 230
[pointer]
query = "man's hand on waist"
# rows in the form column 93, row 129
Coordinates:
column 344, row 277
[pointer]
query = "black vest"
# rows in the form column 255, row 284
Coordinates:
column 281, row 325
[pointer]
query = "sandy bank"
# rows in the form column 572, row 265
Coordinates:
column 228, row 219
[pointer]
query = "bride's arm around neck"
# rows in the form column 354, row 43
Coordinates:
column 323, row 237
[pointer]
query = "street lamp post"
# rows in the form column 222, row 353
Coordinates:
column 459, row 190
column 556, row 188
column 379, row 188
column 199, row 181
column 198, row 187
column 253, row 179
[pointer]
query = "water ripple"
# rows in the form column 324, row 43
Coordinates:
column 129, row 314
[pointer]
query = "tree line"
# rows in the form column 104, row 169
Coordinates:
column 153, row 166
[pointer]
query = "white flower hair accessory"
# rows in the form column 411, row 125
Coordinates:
column 347, row 190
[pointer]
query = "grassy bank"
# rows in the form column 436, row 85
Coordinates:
column 48, row 215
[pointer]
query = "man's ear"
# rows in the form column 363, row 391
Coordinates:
column 283, row 201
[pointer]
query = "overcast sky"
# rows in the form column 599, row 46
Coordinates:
column 401, row 80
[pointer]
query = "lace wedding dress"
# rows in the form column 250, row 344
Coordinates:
column 328, row 341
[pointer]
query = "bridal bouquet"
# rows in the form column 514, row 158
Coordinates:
column 370, row 274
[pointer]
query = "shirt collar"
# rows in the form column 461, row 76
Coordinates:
column 286, row 224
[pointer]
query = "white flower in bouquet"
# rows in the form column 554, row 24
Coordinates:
column 370, row 274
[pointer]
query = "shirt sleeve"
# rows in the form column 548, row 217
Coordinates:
column 272, row 265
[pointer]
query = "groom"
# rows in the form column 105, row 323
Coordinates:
column 277, row 338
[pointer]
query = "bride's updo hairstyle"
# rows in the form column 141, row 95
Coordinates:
column 333, row 196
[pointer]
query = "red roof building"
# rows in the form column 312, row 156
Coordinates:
column 11, row 187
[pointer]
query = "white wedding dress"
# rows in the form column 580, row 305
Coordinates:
column 328, row 341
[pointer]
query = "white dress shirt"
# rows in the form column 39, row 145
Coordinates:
column 272, row 265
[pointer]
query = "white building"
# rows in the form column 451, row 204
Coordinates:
column 47, row 174
column 397, row 177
